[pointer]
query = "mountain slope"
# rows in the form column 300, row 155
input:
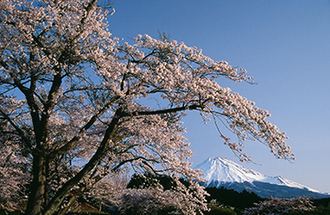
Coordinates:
column 222, row 172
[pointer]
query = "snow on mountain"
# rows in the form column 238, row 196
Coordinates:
column 218, row 171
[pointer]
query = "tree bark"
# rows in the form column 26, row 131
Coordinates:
column 37, row 186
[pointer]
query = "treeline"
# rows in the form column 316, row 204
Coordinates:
column 232, row 198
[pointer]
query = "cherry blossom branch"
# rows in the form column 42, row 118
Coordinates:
column 82, row 130
column 20, row 131
column 99, row 155
column 131, row 160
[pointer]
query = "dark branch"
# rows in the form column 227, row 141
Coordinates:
column 163, row 111
column 20, row 131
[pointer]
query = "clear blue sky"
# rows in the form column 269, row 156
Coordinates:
column 284, row 44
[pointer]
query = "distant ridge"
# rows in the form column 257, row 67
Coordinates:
column 222, row 172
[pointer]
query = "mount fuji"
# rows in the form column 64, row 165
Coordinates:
column 222, row 172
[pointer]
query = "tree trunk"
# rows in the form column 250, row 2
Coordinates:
column 37, row 186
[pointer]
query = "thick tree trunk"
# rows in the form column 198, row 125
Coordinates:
column 37, row 186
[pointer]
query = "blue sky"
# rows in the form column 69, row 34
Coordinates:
column 284, row 44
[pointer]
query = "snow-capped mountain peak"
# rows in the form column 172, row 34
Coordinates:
column 225, row 170
column 218, row 171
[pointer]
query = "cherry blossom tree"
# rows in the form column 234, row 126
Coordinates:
column 13, row 173
column 74, row 103
column 281, row 206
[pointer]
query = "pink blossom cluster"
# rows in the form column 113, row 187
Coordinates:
column 281, row 206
